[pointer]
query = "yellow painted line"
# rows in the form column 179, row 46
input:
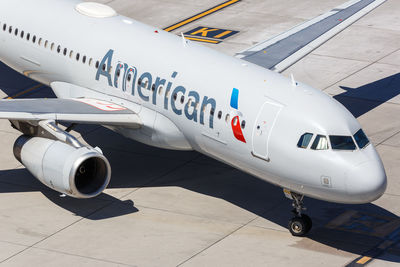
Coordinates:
column 25, row 91
column 364, row 260
column 202, row 40
column 200, row 15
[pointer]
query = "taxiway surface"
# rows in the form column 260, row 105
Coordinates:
column 168, row 208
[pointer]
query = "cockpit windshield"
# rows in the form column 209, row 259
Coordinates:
column 361, row 139
column 320, row 143
column 339, row 142
column 304, row 140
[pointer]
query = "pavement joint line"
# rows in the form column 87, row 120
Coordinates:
column 389, row 145
column 396, row 32
column 270, row 228
column 354, row 59
column 190, row 215
column 383, row 141
column 390, row 194
column 337, row 57
column 56, row 232
column 81, row 256
column 109, row 203
column 218, row 241
column 361, row 69
column 232, row 232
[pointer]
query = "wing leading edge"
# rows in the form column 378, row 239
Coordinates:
column 284, row 50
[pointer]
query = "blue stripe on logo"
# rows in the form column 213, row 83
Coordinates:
column 235, row 98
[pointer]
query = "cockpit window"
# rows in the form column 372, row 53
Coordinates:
column 304, row 140
column 339, row 142
column 361, row 139
column 320, row 143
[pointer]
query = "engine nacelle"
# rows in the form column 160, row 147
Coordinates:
column 78, row 172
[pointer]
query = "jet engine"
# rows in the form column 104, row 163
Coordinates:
column 80, row 172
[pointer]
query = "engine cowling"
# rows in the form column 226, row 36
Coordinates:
column 78, row 172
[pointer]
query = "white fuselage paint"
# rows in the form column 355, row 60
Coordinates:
column 270, row 151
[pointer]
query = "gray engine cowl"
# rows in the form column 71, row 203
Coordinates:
column 78, row 172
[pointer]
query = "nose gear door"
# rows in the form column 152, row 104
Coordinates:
column 262, row 129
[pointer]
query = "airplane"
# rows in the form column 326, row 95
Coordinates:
column 142, row 83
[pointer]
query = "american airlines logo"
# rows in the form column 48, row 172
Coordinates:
column 150, row 89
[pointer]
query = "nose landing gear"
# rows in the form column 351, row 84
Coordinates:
column 300, row 224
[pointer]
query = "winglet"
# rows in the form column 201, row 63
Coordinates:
column 184, row 41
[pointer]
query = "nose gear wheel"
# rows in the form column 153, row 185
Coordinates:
column 301, row 223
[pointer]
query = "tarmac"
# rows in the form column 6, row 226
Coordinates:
column 170, row 208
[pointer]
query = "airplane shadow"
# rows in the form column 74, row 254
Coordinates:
column 352, row 228
column 367, row 97
column 20, row 180
column 12, row 83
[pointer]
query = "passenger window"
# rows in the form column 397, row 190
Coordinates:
column 28, row 36
column 342, row 142
column 22, row 34
column 304, row 140
column 84, row 59
column 16, row 32
column 361, row 139
column 4, row 27
column 320, row 143
column 227, row 118
column 243, row 124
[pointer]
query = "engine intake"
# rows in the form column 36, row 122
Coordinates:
column 78, row 172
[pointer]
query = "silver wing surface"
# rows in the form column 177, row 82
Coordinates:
column 76, row 110
column 284, row 50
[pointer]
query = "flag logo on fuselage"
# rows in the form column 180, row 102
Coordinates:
column 235, row 123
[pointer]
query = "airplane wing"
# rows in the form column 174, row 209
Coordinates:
column 76, row 110
column 282, row 51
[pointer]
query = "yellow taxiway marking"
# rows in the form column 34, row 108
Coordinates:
column 200, row 15
column 364, row 260
column 202, row 40
column 25, row 91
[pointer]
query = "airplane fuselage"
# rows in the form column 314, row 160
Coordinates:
column 192, row 97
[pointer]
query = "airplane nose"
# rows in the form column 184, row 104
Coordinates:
column 366, row 182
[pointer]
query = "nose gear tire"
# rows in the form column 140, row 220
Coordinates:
column 300, row 226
